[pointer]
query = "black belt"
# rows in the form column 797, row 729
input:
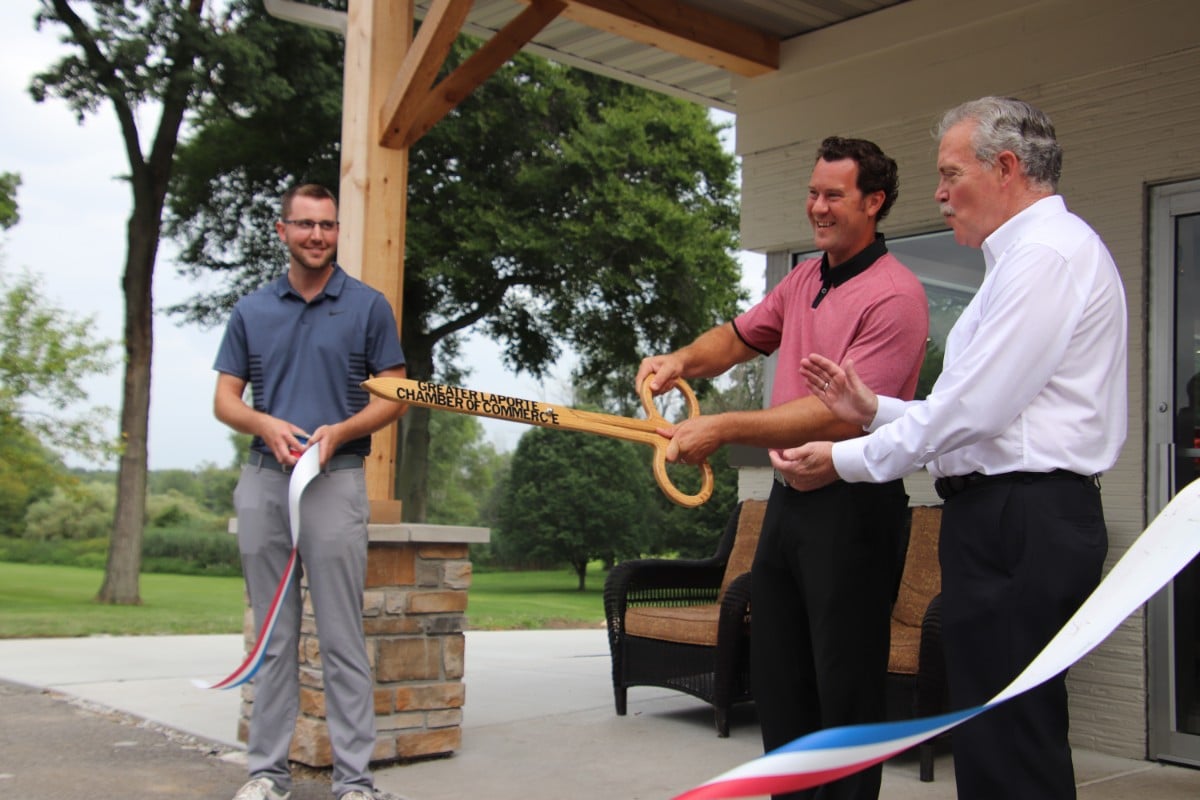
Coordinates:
column 951, row 485
column 265, row 461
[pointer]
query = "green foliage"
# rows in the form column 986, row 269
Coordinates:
column 70, row 526
column 183, row 550
column 209, row 489
column 174, row 509
column 133, row 53
column 83, row 553
column 79, row 512
column 28, row 473
column 46, row 357
column 248, row 146
column 9, row 215
column 694, row 532
column 931, row 368
column 573, row 498
column 464, row 471
column 186, row 550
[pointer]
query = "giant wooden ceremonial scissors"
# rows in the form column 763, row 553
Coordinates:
column 548, row 415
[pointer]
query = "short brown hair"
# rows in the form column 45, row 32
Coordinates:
column 876, row 171
column 313, row 190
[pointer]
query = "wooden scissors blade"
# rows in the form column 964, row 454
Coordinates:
column 550, row 415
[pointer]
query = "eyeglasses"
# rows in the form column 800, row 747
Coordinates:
column 306, row 225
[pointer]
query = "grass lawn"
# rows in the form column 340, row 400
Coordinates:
column 529, row 600
column 46, row 600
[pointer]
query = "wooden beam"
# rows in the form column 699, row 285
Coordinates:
column 410, row 124
column 439, row 29
column 373, row 193
column 681, row 29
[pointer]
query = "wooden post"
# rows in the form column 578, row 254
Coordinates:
column 374, row 182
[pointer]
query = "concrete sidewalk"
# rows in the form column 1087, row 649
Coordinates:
column 538, row 725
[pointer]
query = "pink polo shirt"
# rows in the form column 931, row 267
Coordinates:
column 879, row 317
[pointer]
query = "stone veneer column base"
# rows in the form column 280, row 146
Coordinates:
column 414, row 613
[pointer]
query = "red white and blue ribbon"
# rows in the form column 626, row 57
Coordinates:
column 1168, row 545
column 307, row 468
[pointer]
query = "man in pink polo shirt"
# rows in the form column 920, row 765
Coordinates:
column 828, row 560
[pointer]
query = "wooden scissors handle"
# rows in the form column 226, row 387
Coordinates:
column 662, row 443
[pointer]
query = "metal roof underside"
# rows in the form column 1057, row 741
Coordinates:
column 645, row 65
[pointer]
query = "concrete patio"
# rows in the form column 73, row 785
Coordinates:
column 538, row 722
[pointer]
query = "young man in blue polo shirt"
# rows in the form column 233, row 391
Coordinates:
column 303, row 343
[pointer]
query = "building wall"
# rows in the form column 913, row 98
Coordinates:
column 1120, row 80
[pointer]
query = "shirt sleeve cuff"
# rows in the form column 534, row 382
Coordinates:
column 890, row 408
column 849, row 460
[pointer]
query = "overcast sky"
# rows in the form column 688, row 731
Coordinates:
column 71, row 234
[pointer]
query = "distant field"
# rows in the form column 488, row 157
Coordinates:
column 45, row 600
column 39, row 600
column 530, row 600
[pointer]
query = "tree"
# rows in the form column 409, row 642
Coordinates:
column 463, row 471
column 132, row 57
column 28, row 473
column 573, row 497
column 551, row 209
column 46, row 358
column 45, row 354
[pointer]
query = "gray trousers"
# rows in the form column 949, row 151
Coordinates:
column 333, row 557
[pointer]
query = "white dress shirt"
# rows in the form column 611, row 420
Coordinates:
column 1033, row 377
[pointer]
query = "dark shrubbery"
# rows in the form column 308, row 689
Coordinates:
column 70, row 527
column 181, row 551
column 187, row 551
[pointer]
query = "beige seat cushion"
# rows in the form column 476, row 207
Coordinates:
column 683, row 624
column 698, row 624
column 741, row 557
column 922, row 577
column 906, row 648
column 919, row 584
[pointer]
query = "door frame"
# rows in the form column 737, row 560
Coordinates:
column 1166, row 202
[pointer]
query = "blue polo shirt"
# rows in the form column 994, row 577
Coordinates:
column 304, row 361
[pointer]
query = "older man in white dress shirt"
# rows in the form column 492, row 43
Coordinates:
column 1029, row 409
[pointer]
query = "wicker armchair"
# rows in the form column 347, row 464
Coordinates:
column 685, row 624
column 916, row 667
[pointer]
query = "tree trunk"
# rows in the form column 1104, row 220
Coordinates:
column 412, row 468
column 412, row 478
column 124, row 564
column 581, row 573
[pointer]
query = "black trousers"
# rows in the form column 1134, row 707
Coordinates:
column 1018, row 558
column 825, row 577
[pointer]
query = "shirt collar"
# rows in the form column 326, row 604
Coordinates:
column 1010, row 232
column 855, row 265
column 333, row 287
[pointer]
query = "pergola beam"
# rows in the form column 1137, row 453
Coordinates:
column 681, row 29
column 425, row 57
column 412, row 109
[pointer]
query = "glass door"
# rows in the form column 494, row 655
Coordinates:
column 1174, row 462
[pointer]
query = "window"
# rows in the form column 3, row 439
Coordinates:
column 951, row 274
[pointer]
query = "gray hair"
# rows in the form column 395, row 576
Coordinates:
column 1005, row 123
